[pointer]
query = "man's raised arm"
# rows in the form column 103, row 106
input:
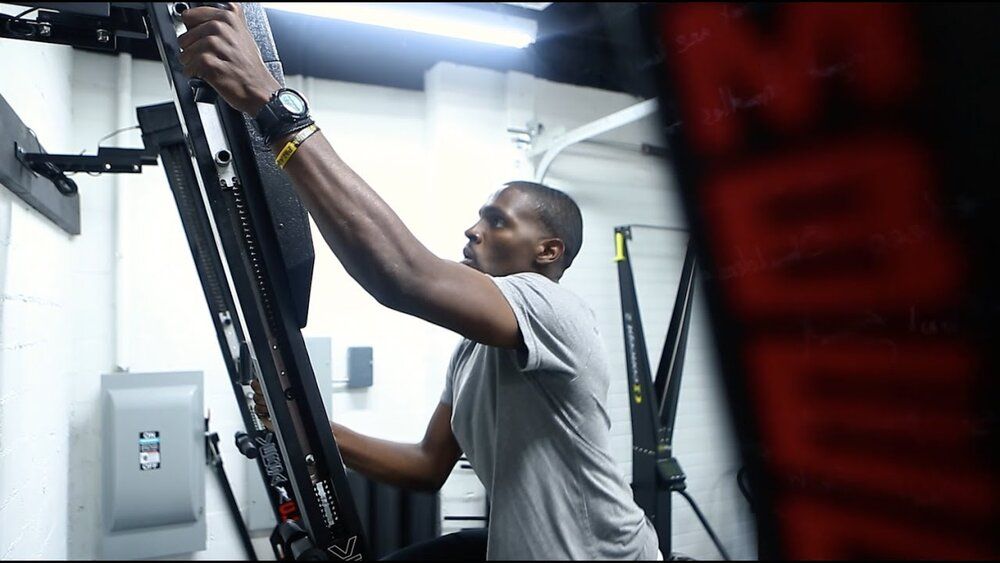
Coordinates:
column 366, row 235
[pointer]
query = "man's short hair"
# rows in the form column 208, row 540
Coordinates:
column 558, row 213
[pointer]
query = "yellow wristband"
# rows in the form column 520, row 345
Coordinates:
column 293, row 145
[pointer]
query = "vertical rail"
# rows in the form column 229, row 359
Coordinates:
column 263, row 236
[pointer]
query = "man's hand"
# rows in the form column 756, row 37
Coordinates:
column 219, row 49
column 260, row 405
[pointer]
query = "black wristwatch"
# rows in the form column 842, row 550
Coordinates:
column 285, row 113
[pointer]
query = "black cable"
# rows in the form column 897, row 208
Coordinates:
column 105, row 138
column 708, row 528
column 115, row 132
column 102, row 139
column 740, row 477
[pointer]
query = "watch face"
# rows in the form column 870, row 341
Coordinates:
column 292, row 102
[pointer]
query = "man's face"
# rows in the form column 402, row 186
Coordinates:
column 504, row 240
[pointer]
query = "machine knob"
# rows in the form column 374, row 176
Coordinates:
column 245, row 445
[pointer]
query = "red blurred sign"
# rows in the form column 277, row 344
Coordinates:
column 815, row 191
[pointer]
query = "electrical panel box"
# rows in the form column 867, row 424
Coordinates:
column 153, row 474
column 359, row 366
column 257, row 512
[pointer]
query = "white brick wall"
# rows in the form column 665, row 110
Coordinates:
column 55, row 326
column 434, row 156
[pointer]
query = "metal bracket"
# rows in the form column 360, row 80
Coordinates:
column 90, row 25
column 107, row 161
column 56, row 201
column 669, row 470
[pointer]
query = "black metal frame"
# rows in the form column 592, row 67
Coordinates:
column 250, row 239
column 88, row 25
column 264, row 236
column 108, row 161
column 656, row 473
column 213, row 458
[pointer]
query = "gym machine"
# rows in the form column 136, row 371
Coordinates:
column 250, row 239
column 656, row 473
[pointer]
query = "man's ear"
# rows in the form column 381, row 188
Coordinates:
column 550, row 250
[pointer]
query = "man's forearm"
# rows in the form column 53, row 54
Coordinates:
column 402, row 465
column 367, row 236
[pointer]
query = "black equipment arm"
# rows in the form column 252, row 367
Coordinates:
column 668, row 374
column 653, row 404
column 256, row 222
column 250, row 239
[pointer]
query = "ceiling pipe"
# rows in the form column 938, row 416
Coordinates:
column 592, row 129
column 125, row 117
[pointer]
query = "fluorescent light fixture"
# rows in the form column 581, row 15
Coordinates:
column 434, row 18
column 530, row 5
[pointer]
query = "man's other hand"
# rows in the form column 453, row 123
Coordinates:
column 260, row 405
column 219, row 49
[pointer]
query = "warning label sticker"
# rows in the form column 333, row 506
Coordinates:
column 149, row 450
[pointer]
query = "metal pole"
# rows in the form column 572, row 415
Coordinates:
column 215, row 460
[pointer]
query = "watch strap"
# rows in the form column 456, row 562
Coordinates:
column 274, row 122
column 285, row 129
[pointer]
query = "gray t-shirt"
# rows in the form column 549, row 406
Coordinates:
column 534, row 426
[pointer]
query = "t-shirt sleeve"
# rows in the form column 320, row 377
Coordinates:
column 449, row 378
column 554, row 324
column 446, row 394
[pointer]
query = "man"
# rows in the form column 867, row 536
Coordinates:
column 526, row 387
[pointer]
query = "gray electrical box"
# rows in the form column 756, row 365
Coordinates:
column 153, row 472
column 359, row 366
column 257, row 512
